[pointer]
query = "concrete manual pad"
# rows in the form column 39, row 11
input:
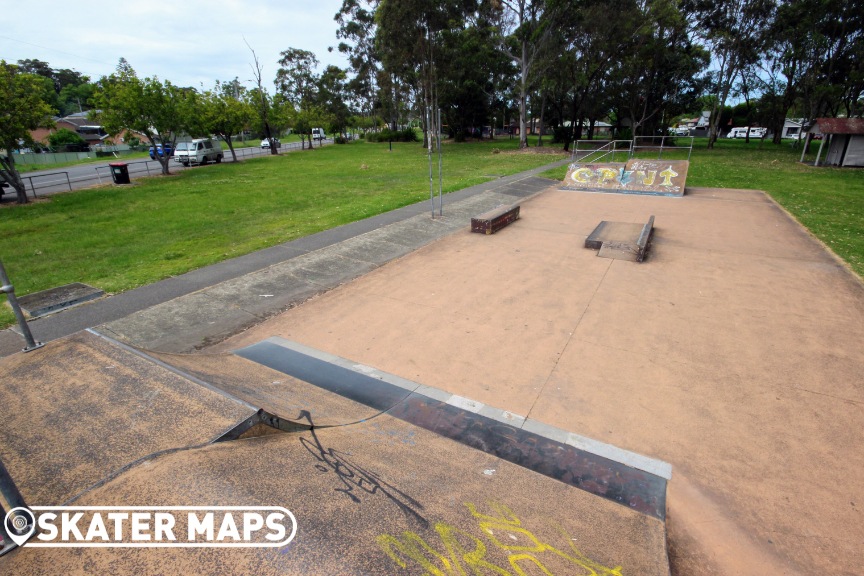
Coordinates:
column 735, row 356
column 381, row 497
column 56, row 299
column 82, row 409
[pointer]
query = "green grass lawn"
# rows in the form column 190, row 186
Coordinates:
column 828, row 201
column 117, row 238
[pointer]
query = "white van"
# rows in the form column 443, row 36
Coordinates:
column 318, row 134
column 199, row 151
column 742, row 132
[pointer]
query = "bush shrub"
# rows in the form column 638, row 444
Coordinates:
column 561, row 134
column 387, row 135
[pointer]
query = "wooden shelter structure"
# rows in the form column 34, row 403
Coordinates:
column 845, row 139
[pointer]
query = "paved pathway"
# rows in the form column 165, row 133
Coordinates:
column 123, row 305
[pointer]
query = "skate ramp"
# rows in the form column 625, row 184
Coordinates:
column 83, row 409
column 382, row 497
column 382, row 474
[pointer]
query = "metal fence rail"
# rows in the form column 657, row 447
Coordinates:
column 587, row 151
column 53, row 182
column 49, row 184
column 639, row 143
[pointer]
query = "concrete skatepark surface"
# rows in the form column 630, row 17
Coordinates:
column 733, row 352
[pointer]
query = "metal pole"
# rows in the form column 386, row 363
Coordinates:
column 429, row 143
column 69, row 182
column 13, row 302
column 33, row 188
column 818, row 154
column 440, row 174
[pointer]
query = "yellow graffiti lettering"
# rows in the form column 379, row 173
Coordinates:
column 474, row 559
column 667, row 176
column 416, row 549
column 607, row 174
column 466, row 551
column 582, row 175
column 507, row 521
column 536, row 545
column 648, row 177
column 506, row 516
column 516, row 558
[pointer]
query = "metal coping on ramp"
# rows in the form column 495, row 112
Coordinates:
column 626, row 478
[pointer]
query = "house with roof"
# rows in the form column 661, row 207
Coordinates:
column 844, row 138
column 81, row 124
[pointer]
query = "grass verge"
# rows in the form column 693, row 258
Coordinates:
column 117, row 238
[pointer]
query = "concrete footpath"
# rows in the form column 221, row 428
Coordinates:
column 453, row 402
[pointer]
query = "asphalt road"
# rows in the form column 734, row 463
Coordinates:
column 52, row 181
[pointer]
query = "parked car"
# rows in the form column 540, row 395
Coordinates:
column 679, row 131
column 803, row 136
column 161, row 149
column 318, row 134
column 200, row 151
column 265, row 144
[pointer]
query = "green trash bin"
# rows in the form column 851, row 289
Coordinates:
column 120, row 172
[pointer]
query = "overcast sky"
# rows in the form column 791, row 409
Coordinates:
column 188, row 42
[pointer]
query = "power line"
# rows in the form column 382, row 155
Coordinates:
column 55, row 50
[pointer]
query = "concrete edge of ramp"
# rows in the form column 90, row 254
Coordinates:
column 630, row 479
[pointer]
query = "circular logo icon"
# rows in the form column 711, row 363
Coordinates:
column 20, row 523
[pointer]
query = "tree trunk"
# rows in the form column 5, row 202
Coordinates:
column 164, row 161
column 523, row 97
column 542, row 114
column 12, row 177
column 574, row 111
column 227, row 138
column 727, row 77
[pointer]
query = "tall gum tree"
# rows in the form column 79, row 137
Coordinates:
column 21, row 110
column 523, row 21
column 735, row 33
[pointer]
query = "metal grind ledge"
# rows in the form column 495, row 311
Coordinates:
column 621, row 240
column 626, row 478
